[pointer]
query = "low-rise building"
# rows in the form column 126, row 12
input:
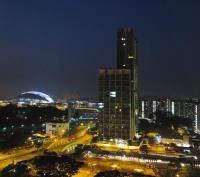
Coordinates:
column 57, row 128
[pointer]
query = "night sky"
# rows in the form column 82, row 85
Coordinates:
column 57, row 46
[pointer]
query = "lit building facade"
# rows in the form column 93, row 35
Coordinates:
column 57, row 128
column 115, row 110
column 185, row 108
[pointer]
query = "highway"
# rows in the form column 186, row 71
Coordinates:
column 19, row 156
column 95, row 165
column 60, row 146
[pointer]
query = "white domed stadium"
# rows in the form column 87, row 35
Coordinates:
column 33, row 98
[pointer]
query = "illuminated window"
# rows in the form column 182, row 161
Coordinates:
column 196, row 117
column 113, row 94
column 123, row 39
column 124, row 44
column 130, row 56
column 172, row 107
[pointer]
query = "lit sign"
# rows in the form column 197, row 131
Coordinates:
column 113, row 94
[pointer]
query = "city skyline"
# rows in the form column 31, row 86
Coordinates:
column 99, row 88
column 57, row 48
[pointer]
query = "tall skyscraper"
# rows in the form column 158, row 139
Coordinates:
column 127, row 58
column 118, row 90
